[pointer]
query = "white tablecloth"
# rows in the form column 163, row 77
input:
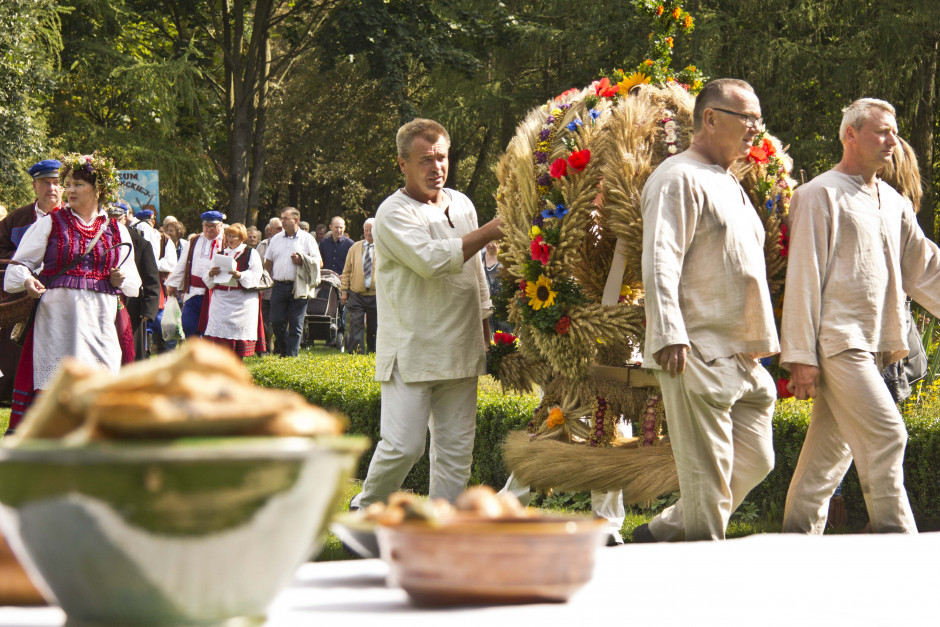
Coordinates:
column 765, row 580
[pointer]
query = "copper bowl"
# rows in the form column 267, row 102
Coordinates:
column 500, row 561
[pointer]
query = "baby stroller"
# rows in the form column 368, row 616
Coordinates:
column 322, row 320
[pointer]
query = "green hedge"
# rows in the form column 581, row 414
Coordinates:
column 345, row 383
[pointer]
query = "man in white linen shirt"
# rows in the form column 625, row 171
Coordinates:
column 434, row 305
column 855, row 251
column 193, row 264
column 709, row 317
column 281, row 259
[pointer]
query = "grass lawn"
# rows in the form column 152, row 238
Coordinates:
column 4, row 420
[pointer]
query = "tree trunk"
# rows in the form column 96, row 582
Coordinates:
column 922, row 140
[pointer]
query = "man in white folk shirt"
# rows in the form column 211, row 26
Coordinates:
column 856, row 250
column 434, row 304
column 285, row 254
column 709, row 317
column 194, row 262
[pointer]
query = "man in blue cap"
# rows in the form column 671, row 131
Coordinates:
column 144, row 222
column 194, row 262
column 48, row 198
column 12, row 228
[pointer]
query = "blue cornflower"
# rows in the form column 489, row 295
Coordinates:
column 558, row 212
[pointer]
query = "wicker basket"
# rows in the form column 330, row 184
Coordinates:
column 14, row 308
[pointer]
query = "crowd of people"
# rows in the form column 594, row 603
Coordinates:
column 426, row 269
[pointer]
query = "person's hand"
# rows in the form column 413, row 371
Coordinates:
column 803, row 381
column 237, row 274
column 344, row 297
column 296, row 259
column 117, row 277
column 215, row 271
column 34, row 287
column 672, row 358
column 170, row 291
column 497, row 225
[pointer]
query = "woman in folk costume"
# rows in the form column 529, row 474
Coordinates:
column 233, row 314
column 79, row 305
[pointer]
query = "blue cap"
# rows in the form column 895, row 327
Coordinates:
column 144, row 214
column 212, row 216
column 46, row 167
column 122, row 205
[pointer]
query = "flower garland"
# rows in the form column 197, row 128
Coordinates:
column 603, row 423
column 669, row 21
column 106, row 176
column 652, row 420
column 545, row 300
column 503, row 344
column 670, row 128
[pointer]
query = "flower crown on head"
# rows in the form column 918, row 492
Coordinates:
column 106, row 174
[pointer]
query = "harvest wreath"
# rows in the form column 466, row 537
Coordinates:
column 569, row 193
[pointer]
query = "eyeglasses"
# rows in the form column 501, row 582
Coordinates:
column 750, row 120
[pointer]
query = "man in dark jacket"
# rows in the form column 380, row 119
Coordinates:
column 48, row 198
column 144, row 307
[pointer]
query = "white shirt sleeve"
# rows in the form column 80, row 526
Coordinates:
column 132, row 283
column 168, row 263
column 176, row 276
column 30, row 252
column 250, row 277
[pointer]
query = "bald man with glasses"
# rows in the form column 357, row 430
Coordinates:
column 709, row 317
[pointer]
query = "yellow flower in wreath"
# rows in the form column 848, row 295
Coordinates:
column 540, row 293
column 555, row 417
column 637, row 78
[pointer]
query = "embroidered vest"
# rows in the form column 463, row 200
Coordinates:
column 68, row 239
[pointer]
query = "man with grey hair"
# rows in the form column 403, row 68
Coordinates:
column 357, row 289
column 287, row 253
column 855, row 251
column 709, row 317
column 434, row 303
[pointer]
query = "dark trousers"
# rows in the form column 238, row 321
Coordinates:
column 362, row 316
column 191, row 309
column 287, row 319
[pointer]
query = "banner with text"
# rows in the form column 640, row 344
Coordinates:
column 140, row 189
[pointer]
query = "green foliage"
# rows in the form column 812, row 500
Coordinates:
column 346, row 383
column 29, row 46
column 565, row 501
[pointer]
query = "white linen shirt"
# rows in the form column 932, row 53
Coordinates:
column 853, row 257
column 202, row 263
column 431, row 304
column 281, row 247
column 703, row 264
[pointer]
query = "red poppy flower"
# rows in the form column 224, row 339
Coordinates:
column 540, row 250
column 523, row 285
column 562, row 326
column 571, row 92
column 784, row 241
column 558, row 168
column 782, row 391
column 763, row 152
column 579, row 159
column 603, row 88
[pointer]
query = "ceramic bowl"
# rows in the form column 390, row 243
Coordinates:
column 527, row 560
column 357, row 533
column 187, row 532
